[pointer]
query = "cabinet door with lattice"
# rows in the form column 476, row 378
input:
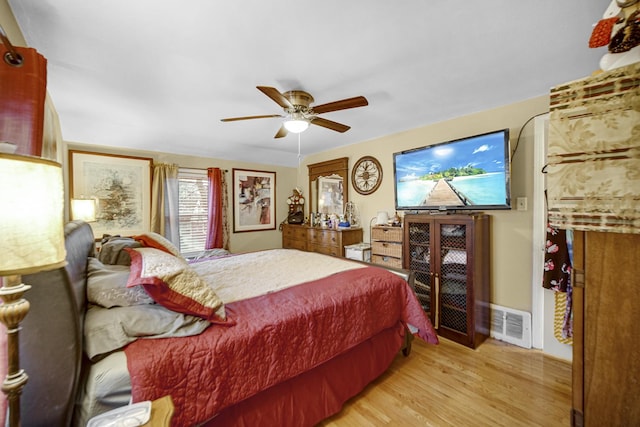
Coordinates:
column 418, row 260
column 452, row 278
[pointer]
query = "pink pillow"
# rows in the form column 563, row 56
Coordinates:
column 158, row 241
column 171, row 282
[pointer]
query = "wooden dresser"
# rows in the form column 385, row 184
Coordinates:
column 321, row 240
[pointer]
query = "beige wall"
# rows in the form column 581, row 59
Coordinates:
column 239, row 242
column 511, row 235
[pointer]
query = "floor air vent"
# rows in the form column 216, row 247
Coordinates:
column 512, row 326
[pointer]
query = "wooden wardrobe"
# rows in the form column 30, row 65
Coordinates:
column 606, row 341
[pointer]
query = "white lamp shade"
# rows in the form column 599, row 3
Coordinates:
column 83, row 209
column 382, row 218
column 296, row 126
column 31, row 215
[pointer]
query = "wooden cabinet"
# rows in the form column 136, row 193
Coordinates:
column 321, row 240
column 449, row 255
column 606, row 337
column 386, row 246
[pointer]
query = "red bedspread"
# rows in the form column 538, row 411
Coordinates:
column 276, row 337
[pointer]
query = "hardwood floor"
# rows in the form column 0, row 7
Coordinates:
column 497, row 384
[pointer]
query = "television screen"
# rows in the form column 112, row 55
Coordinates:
column 468, row 173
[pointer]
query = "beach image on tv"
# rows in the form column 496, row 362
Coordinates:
column 468, row 172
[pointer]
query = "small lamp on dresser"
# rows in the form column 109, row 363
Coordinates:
column 32, row 240
column 83, row 209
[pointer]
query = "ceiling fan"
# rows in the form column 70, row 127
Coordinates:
column 299, row 112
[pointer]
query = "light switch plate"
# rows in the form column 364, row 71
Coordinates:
column 521, row 203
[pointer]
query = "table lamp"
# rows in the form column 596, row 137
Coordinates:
column 32, row 240
column 83, row 209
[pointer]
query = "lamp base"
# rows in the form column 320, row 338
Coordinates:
column 13, row 311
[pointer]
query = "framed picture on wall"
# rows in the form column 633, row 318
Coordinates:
column 254, row 194
column 121, row 187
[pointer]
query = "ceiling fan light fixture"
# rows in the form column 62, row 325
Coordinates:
column 296, row 125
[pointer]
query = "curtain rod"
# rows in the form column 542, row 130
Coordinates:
column 12, row 57
column 198, row 169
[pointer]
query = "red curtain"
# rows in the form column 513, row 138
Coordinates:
column 23, row 88
column 214, row 220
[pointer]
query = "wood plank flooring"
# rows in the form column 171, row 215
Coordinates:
column 497, row 384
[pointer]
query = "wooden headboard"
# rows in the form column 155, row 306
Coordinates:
column 51, row 334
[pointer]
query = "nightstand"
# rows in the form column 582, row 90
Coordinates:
column 161, row 412
column 160, row 415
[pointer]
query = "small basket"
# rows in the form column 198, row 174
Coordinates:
column 387, row 249
column 389, row 234
column 386, row 261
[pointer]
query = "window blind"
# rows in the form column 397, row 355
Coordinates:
column 193, row 209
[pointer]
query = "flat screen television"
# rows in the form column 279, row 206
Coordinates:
column 471, row 173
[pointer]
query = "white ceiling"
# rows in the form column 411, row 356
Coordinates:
column 159, row 75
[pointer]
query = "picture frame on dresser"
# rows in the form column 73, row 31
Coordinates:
column 254, row 194
column 121, row 186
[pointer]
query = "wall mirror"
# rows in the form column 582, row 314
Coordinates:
column 328, row 186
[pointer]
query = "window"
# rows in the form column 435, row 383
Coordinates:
column 193, row 208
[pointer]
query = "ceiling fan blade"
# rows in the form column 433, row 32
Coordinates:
column 233, row 119
column 358, row 101
column 338, row 127
column 282, row 132
column 275, row 94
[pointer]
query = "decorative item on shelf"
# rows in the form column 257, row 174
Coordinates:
column 324, row 220
column 343, row 223
column 366, row 175
column 32, row 230
column 296, row 207
column 351, row 214
column 396, row 221
column 619, row 29
column 296, row 200
column 382, row 218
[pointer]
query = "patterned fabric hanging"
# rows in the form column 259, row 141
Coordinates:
column 593, row 155
column 557, row 277
column 23, row 86
column 557, row 264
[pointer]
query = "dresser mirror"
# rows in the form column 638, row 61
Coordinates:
column 329, row 194
column 328, row 186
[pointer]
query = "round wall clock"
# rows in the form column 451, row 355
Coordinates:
column 366, row 175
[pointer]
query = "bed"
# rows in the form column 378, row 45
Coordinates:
column 293, row 336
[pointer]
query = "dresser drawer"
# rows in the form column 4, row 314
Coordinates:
column 386, row 261
column 387, row 249
column 327, row 250
column 294, row 244
column 294, row 232
column 324, row 237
